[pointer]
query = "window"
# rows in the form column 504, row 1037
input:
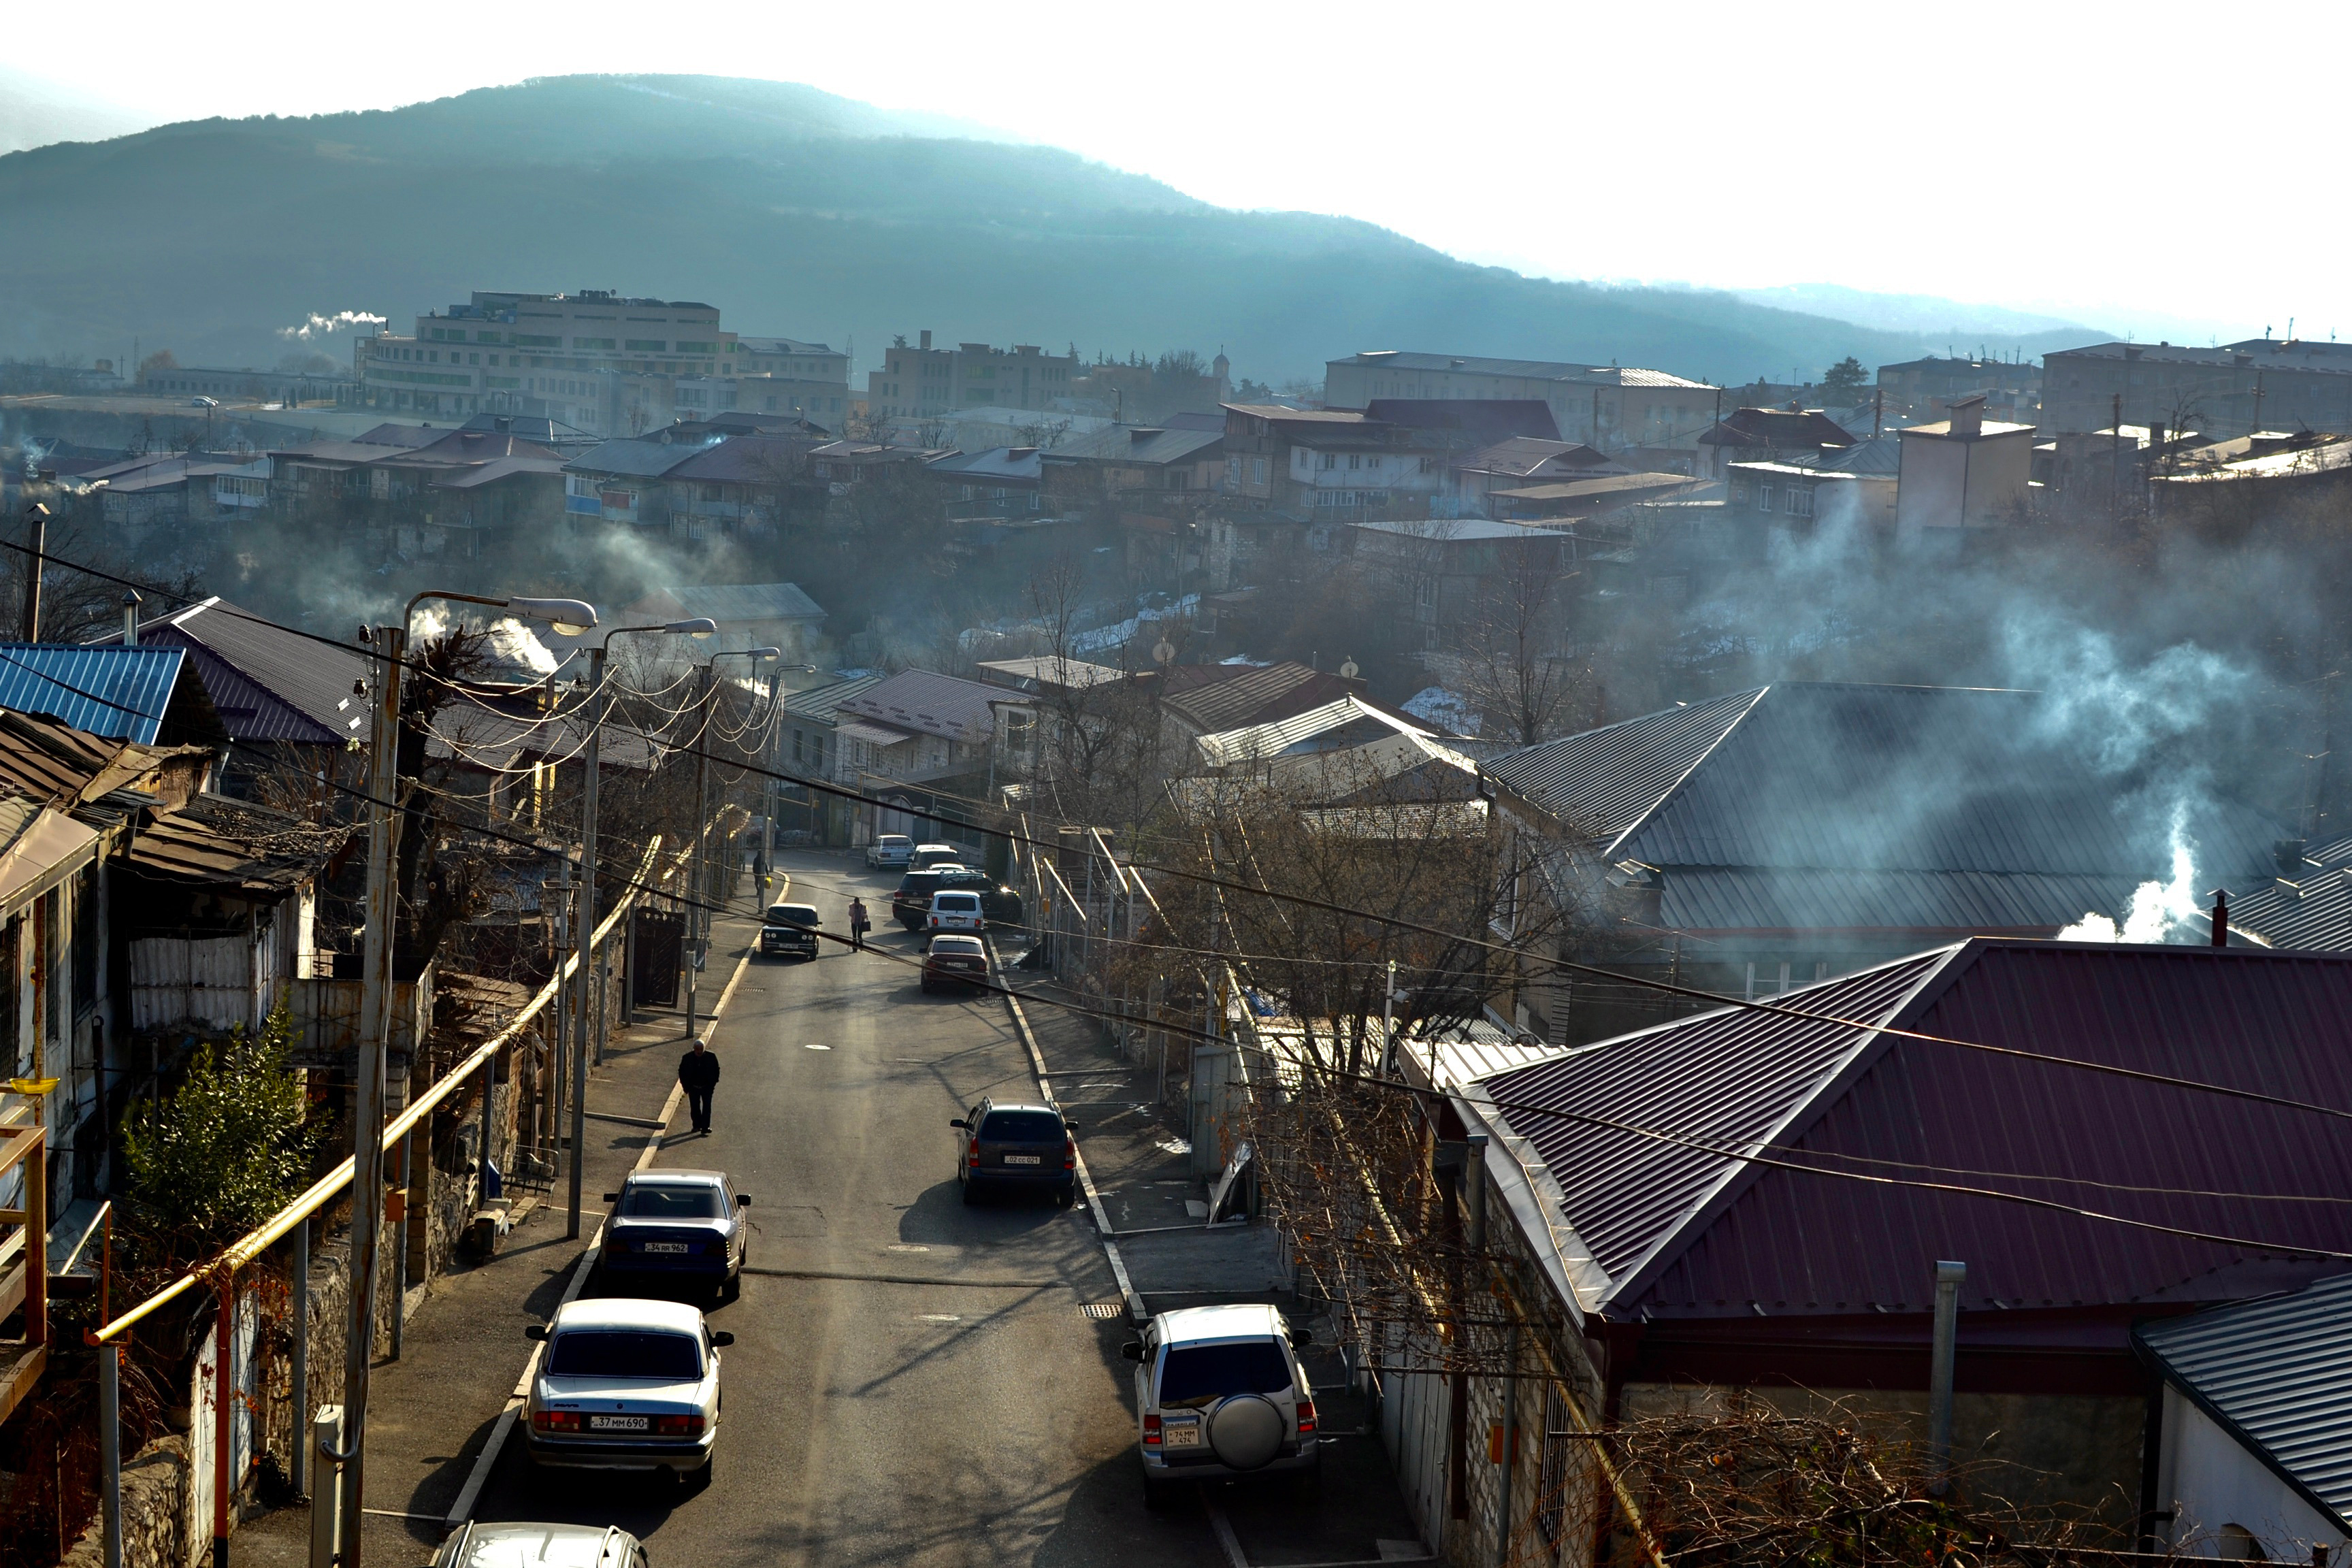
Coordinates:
column 672, row 1200
column 1017, row 1126
column 1800, row 502
column 1429, row 465
column 1330, row 459
column 1257, row 465
column 1200, row 1372
column 647, row 345
column 625, row 1353
column 1763, row 497
column 592, row 342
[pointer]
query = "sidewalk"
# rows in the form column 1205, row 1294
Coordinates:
column 430, row 1411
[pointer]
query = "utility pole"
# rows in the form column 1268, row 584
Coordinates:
column 37, row 518
column 367, row 1110
column 697, row 921
column 584, row 934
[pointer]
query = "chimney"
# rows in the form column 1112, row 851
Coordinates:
column 2220, row 916
column 1968, row 417
column 129, row 619
column 927, row 339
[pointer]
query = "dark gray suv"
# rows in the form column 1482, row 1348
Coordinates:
column 1002, row 1148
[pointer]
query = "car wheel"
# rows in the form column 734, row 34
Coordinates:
column 971, row 1193
column 926, row 987
column 1064, row 1194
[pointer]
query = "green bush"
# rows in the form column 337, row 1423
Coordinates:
column 226, row 1149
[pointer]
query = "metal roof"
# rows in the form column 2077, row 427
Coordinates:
column 2278, row 1373
column 932, row 703
column 267, row 682
column 120, row 692
column 1531, row 369
column 1258, row 742
column 630, row 459
column 1810, row 806
column 1689, row 1232
column 2312, row 909
column 823, row 702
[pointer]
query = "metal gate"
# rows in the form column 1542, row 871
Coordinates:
column 655, row 957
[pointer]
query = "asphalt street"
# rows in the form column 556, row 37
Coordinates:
column 912, row 1381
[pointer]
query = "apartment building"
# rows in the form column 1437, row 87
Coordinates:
column 2234, row 390
column 1613, row 407
column 920, row 382
column 605, row 362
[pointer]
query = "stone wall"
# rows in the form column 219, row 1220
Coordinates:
column 154, row 1511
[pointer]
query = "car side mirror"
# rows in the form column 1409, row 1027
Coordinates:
column 1070, row 1127
column 742, row 1200
column 960, row 1122
column 612, row 1197
column 723, row 1339
column 536, row 1331
column 1302, row 1336
column 1132, row 1350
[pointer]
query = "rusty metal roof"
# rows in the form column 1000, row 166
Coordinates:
column 226, row 842
column 1704, row 1231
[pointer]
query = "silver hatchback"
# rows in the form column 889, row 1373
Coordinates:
column 1219, row 1393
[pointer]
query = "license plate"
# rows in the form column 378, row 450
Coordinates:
column 1182, row 1435
column 671, row 1247
column 617, row 1423
column 1024, row 1159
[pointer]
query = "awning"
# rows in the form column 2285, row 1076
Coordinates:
column 872, row 734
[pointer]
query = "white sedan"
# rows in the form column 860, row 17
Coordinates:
column 625, row 1384
column 890, row 849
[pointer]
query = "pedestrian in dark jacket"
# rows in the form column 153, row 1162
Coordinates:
column 859, row 924
column 697, row 1073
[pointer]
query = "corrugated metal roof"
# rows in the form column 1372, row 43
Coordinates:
column 267, row 683
column 128, row 688
column 933, row 703
column 823, row 702
column 2278, row 1372
column 1708, row 899
column 1686, row 1233
column 630, row 459
column 1256, row 741
column 1601, row 781
column 2313, row 910
column 1532, row 368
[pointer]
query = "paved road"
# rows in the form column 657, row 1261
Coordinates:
column 912, row 1381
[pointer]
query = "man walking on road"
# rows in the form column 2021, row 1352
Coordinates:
column 859, row 924
column 697, row 1073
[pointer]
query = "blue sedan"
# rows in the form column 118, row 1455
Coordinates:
column 682, row 1225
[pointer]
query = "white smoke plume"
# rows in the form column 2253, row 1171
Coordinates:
column 2160, row 911
column 320, row 326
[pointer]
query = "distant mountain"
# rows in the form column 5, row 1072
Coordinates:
column 1967, row 327
column 795, row 210
column 34, row 112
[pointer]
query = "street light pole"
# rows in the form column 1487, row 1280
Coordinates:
column 697, row 912
column 375, row 1015
column 584, row 936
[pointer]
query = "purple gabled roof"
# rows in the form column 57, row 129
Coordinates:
column 1683, row 1232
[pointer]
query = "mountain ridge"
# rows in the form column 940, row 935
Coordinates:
column 796, row 212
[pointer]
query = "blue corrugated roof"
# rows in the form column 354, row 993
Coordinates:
column 118, row 692
column 2279, row 1373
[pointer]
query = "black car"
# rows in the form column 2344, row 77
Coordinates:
column 789, row 928
column 1003, row 1147
column 911, row 904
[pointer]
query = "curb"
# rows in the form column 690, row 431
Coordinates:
column 1135, row 1307
column 470, row 1494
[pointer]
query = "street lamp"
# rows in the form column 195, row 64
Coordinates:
column 583, row 935
column 696, row 912
column 572, row 617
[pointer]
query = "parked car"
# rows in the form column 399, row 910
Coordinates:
column 889, row 849
column 480, row 1546
column 789, row 928
column 625, row 1385
column 927, row 856
column 1220, row 1393
column 954, row 961
column 911, row 904
column 677, row 1224
column 1015, row 1146
column 955, row 908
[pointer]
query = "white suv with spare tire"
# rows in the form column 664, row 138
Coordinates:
column 1219, row 1393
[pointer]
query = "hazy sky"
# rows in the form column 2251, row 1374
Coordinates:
column 2140, row 167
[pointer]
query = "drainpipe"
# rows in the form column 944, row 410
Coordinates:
column 301, row 1312
column 224, row 1355
column 1949, row 1277
column 109, row 1448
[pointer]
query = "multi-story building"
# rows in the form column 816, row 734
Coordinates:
column 920, row 381
column 1927, row 388
column 604, row 362
column 2233, row 390
column 1613, row 408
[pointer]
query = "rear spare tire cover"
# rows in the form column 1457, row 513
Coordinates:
column 1246, row 1431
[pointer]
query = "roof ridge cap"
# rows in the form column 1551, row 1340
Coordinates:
column 1742, row 1172
column 1651, row 811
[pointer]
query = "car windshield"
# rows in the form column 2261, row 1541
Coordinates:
column 667, row 1200
column 965, row 902
column 919, row 884
column 892, row 841
column 792, row 915
column 1021, row 1127
column 1195, row 1373
column 968, row 946
column 623, row 1352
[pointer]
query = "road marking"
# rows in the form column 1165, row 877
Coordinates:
column 816, row 1047
column 905, row 1246
column 1225, row 1529
column 939, row 1316
column 1085, row 1178
column 487, row 1460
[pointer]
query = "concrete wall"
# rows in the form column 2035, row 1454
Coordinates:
column 2210, row 1481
